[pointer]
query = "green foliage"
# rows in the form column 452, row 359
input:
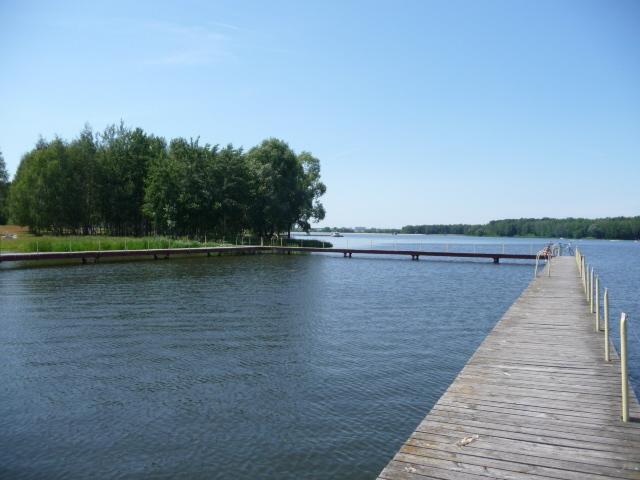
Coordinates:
column 4, row 190
column 198, row 189
column 48, row 190
column 623, row 228
column 310, row 191
column 123, row 160
column 276, row 178
column 126, row 182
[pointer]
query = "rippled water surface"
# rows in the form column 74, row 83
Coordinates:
column 266, row 366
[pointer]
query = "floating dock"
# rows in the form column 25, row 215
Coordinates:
column 537, row 400
column 96, row 255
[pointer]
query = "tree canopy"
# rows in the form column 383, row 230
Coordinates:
column 623, row 228
column 4, row 190
column 126, row 181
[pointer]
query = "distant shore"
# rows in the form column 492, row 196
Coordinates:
column 610, row 228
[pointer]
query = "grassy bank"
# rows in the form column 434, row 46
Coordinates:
column 25, row 242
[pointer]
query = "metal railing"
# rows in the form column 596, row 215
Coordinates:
column 547, row 253
column 551, row 250
column 390, row 243
column 591, row 285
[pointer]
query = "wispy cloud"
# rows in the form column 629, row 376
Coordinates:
column 157, row 42
column 188, row 44
column 226, row 25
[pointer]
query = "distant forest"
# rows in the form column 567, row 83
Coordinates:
column 125, row 181
column 621, row 228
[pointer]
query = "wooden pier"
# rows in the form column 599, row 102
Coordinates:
column 96, row 255
column 535, row 401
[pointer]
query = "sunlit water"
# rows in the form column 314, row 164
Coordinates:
column 264, row 366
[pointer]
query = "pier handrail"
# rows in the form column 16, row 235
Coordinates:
column 591, row 283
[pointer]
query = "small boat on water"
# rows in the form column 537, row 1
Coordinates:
column 337, row 234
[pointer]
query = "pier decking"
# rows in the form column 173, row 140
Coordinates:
column 535, row 401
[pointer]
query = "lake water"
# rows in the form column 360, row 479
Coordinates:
column 248, row 367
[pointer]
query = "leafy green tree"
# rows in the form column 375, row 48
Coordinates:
column 196, row 212
column 4, row 190
column 286, row 188
column 123, row 159
column 232, row 183
column 47, row 193
column 82, row 154
column 181, row 195
column 125, row 181
column 162, row 193
column 310, row 191
column 277, row 174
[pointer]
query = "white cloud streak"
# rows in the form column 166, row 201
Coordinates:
column 189, row 45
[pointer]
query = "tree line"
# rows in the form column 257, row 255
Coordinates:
column 623, row 228
column 124, row 181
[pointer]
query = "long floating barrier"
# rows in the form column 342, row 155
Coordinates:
column 347, row 252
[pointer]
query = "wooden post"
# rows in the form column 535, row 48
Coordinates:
column 586, row 282
column 591, row 290
column 606, row 325
column 597, row 294
column 548, row 265
column 624, row 376
column 578, row 262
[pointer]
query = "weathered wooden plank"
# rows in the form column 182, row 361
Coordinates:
column 536, row 400
column 453, row 469
column 489, row 444
column 528, row 463
column 510, row 420
column 546, row 471
column 608, row 416
column 590, row 438
column 534, row 435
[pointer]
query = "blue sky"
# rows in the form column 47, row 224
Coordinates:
column 420, row 112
